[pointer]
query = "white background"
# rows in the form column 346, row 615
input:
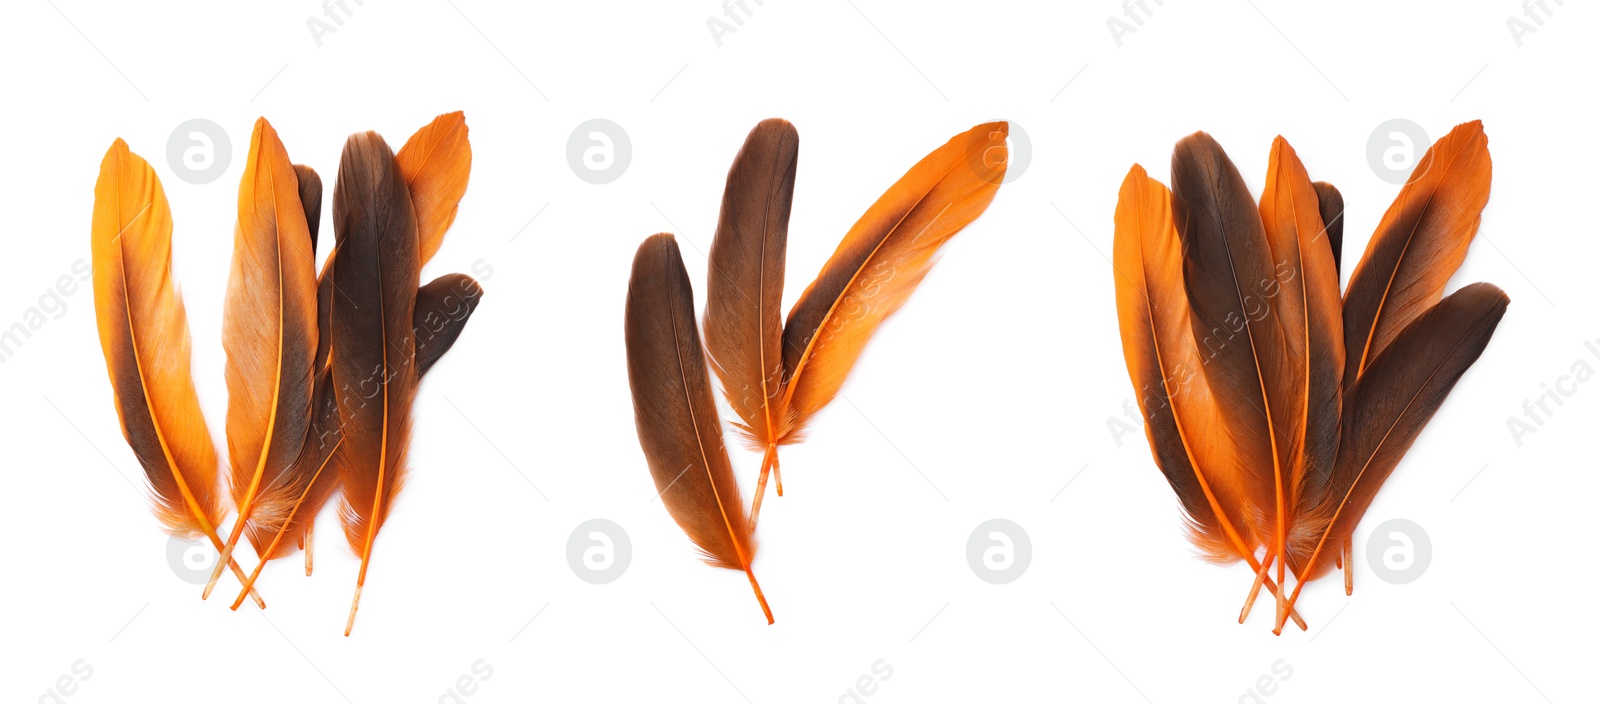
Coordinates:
column 987, row 396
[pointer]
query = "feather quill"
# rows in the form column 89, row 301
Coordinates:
column 744, row 297
column 144, row 334
column 270, row 334
column 1419, row 244
column 372, row 358
column 676, row 414
column 1396, row 396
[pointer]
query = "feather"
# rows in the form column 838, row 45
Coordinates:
column 1400, row 391
column 435, row 163
column 744, row 286
column 1331, row 204
column 878, row 265
column 144, row 334
column 1419, row 243
column 270, row 333
column 1165, row 367
column 373, row 369
column 1309, row 283
column 1244, row 325
column 443, row 306
column 676, row 414
column 310, row 186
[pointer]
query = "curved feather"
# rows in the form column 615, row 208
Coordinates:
column 744, row 284
column 435, row 163
column 269, row 331
column 144, row 334
column 443, row 307
column 1420, row 242
column 878, row 265
column 1243, row 323
column 373, row 368
column 1400, row 391
column 1180, row 413
column 676, row 414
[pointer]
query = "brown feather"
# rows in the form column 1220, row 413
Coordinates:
column 310, row 185
column 373, row 368
column 443, row 307
column 269, row 331
column 1331, row 204
column 1386, row 410
column 676, row 414
column 1419, row 244
column 744, row 285
column 144, row 334
column 1243, row 324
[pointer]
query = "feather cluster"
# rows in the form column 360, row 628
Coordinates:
column 321, row 369
column 777, row 375
column 1274, row 407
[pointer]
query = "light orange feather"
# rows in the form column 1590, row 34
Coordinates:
column 144, row 334
column 435, row 163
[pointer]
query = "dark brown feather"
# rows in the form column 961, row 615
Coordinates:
column 744, row 286
column 374, row 370
column 310, row 199
column 443, row 307
column 675, row 413
column 1241, row 326
column 1388, row 407
column 1331, row 204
